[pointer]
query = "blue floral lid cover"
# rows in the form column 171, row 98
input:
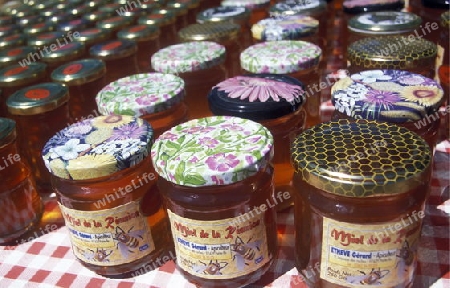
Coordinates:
column 217, row 150
column 387, row 95
column 98, row 147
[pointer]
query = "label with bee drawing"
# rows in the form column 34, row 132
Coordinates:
column 109, row 237
column 355, row 255
column 220, row 249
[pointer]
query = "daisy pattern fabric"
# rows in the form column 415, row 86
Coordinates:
column 98, row 147
column 387, row 95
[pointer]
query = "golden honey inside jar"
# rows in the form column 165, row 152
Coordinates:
column 361, row 191
column 165, row 19
column 105, row 185
column 216, row 182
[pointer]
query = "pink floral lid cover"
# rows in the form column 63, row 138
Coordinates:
column 280, row 57
column 387, row 95
column 217, row 150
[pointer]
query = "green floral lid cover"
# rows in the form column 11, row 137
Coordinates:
column 285, row 28
column 249, row 4
column 98, row 147
column 387, row 95
column 280, row 57
column 188, row 57
column 140, row 94
column 218, row 150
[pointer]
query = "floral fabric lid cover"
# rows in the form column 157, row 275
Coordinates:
column 387, row 95
column 188, row 57
column 295, row 7
column 140, row 94
column 284, row 28
column 98, row 147
column 216, row 150
column 249, row 4
column 280, row 57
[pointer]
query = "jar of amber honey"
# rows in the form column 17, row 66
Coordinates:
column 443, row 55
column 47, row 105
column 19, row 201
column 275, row 101
column 12, row 41
column 219, row 199
column 155, row 97
column 84, row 78
column 21, row 54
column 199, row 64
column 395, row 96
column 115, row 24
column 298, row 59
column 63, row 54
column 181, row 11
column 259, row 9
column 193, row 9
column 92, row 36
column 361, row 188
column 105, row 185
column 165, row 19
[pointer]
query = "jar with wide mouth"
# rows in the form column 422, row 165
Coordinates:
column 443, row 57
column 92, row 36
column 72, row 25
column 361, row 188
column 259, row 9
column 62, row 54
column 12, row 41
column 44, row 41
column 11, row 29
column 430, row 11
column 38, row 28
column 115, row 24
column 165, row 19
column 215, row 177
column 21, row 54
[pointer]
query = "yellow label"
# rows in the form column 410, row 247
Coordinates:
column 221, row 249
column 360, row 255
column 109, row 237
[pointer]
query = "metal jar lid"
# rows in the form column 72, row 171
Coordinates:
column 113, row 49
column 10, row 29
column 29, row 20
column 92, row 35
column 66, row 52
column 291, row 27
column 361, row 6
column 7, row 131
column 115, row 23
column 128, row 10
column 249, row 4
column 18, row 75
column 46, row 39
column 257, row 96
column 191, row 3
column 57, row 16
column 79, row 72
column 384, row 22
column 217, row 32
column 110, row 8
column 436, row 4
column 159, row 17
column 197, row 153
column 96, row 16
column 79, row 10
column 361, row 158
column 179, row 8
column 7, row 19
column 224, row 14
column 39, row 28
column 139, row 33
column 72, row 25
column 37, row 99
column 21, row 54
column 12, row 41
column 295, row 7
column 98, row 147
column 391, row 52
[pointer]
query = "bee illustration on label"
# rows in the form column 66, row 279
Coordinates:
column 406, row 254
column 244, row 251
column 100, row 255
column 127, row 240
column 211, row 268
column 372, row 278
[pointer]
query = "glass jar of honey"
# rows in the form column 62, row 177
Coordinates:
column 19, row 201
column 38, row 28
column 275, row 101
column 219, row 199
column 199, row 64
column 29, row 20
column 259, row 9
column 92, row 36
column 44, row 40
column 155, row 97
column 361, row 188
column 45, row 104
column 181, row 12
column 12, row 41
column 430, row 11
column 298, row 59
column 72, row 25
column 165, row 19
column 95, row 16
column 193, row 10
column 105, row 186
column 63, row 54
column 119, row 57
column 416, row 55
column 10, row 29
column 115, row 24
column 443, row 54
column 84, row 78
column 19, row 54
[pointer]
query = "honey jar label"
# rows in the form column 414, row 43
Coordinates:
column 220, row 249
column 109, row 237
column 383, row 254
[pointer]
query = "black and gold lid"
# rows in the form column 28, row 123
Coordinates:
column 139, row 33
column 361, row 158
column 39, row 28
column 159, row 17
column 295, row 7
column 362, row 6
column 10, row 29
column 19, row 74
column 92, row 35
column 384, row 22
column 218, row 32
column 66, row 52
column 46, row 39
column 223, row 14
column 257, row 96
column 392, row 52
column 79, row 72
column 37, row 99
column 72, row 25
column 16, row 54
column 115, row 23
column 445, row 19
column 12, row 41
column 113, row 49
column 7, row 131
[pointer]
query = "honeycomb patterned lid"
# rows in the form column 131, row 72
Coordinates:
column 214, row 31
column 284, row 28
column 387, row 95
column 361, row 158
column 217, row 150
column 140, row 94
column 249, row 4
column 392, row 52
column 222, row 13
column 280, row 57
column 295, row 7
column 188, row 57
column 361, row 6
column 98, row 147
column 384, row 22
column 19, row 74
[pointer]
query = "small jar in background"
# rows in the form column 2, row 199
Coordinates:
column 298, row 59
column 106, row 186
column 29, row 20
column 133, row 11
column 215, row 176
column 193, row 10
column 224, row 33
column 92, row 36
column 84, row 78
column 110, row 8
column 181, row 12
column 361, row 189
column 395, row 96
column 165, row 19
column 430, row 11
column 20, row 203
column 95, row 16
column 155, row 97
column 43, row 41
column 72, row 25
column 45, row 104
column 199, row 64
column 16, row 76
column 38, row 28
column 7, row 19
column 443, row 55
column 274, row 101
column 259, row 9
column 21, row 54
column 11, row 29
column 147, row 40
column 79, row 10
column 63, row 54
column 207, row 4
column 115, row 24
column 12, row 41
column 119, row 57
column 392, row 52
